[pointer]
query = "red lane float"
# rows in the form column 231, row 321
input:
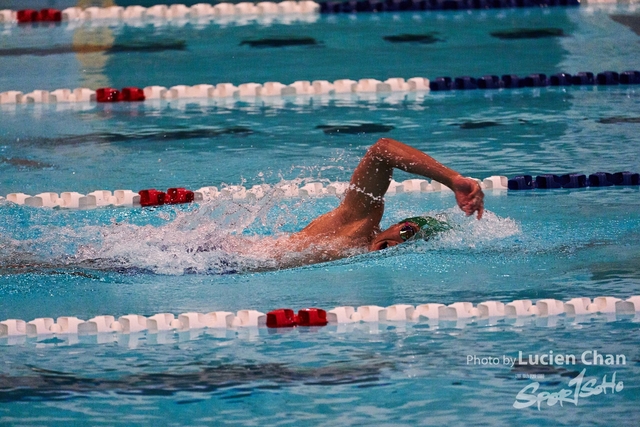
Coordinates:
column 173, row 196
column 179, row 195
column 27, row 15
column 45, row 15
column 152, row 197
column 285, row 318
column 50, row 15
column 281, row 318
column 312, row 317
column 128, row 94
column 132, row 94
column 107, row 94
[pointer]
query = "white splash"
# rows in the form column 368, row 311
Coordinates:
column 468, row 232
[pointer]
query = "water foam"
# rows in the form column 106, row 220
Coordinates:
column 213, row 238
column 467, row 232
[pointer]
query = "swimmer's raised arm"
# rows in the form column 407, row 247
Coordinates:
column 356, row 221
column 373, row 174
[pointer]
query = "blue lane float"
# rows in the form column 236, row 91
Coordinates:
column 490, row 82
column 512, row 81
column 574, row 180
column 608, row 78
column 440, row 83
column 630, row 78
column 626, row 178
column 548, row 181
column 601, row 179
column 465, row 83
column 583, row 79
column 521, row 182
column 536, row 80
column 560, row 79
column 371, row 6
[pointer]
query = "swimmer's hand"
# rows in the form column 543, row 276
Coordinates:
column 469, row 196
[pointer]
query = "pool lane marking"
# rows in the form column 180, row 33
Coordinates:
column 200, row 11
column 128, row 198
column 459, row 314
column 175, row 12
column 271, row 90
column 153, row 197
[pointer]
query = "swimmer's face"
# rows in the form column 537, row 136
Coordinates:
column 394, row 235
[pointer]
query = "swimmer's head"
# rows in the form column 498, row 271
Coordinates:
column 418, row 226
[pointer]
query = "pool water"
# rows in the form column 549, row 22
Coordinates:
column 355, row 46
column 530, row 245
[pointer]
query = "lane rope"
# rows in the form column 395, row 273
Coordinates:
column 247, row 91
column 179, row 195
column 153, row 197
column 107, row 328
column 202, row 11
column 158, row 12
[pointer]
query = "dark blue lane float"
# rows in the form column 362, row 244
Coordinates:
column 490, row 82
column 626, row 178
column 583, row 79
column 536, row 80
column 630, row 78
column 372, row 6
column 512, row 81
column 560, row 79
column 440, row 83
column 465, row 83
column 573, row 180
column 608, row 78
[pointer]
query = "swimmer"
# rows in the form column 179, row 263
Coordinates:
column 350, row 229
column 354, row 226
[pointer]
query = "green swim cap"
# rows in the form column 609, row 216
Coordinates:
column 429, row 226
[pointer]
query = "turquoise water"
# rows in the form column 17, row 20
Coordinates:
column 460, row 43
column 539, row 244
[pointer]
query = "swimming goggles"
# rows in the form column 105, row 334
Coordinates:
column 428, row 227
column 407, row 232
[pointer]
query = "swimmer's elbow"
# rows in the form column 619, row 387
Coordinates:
column 381, row 144
column 380, row 149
